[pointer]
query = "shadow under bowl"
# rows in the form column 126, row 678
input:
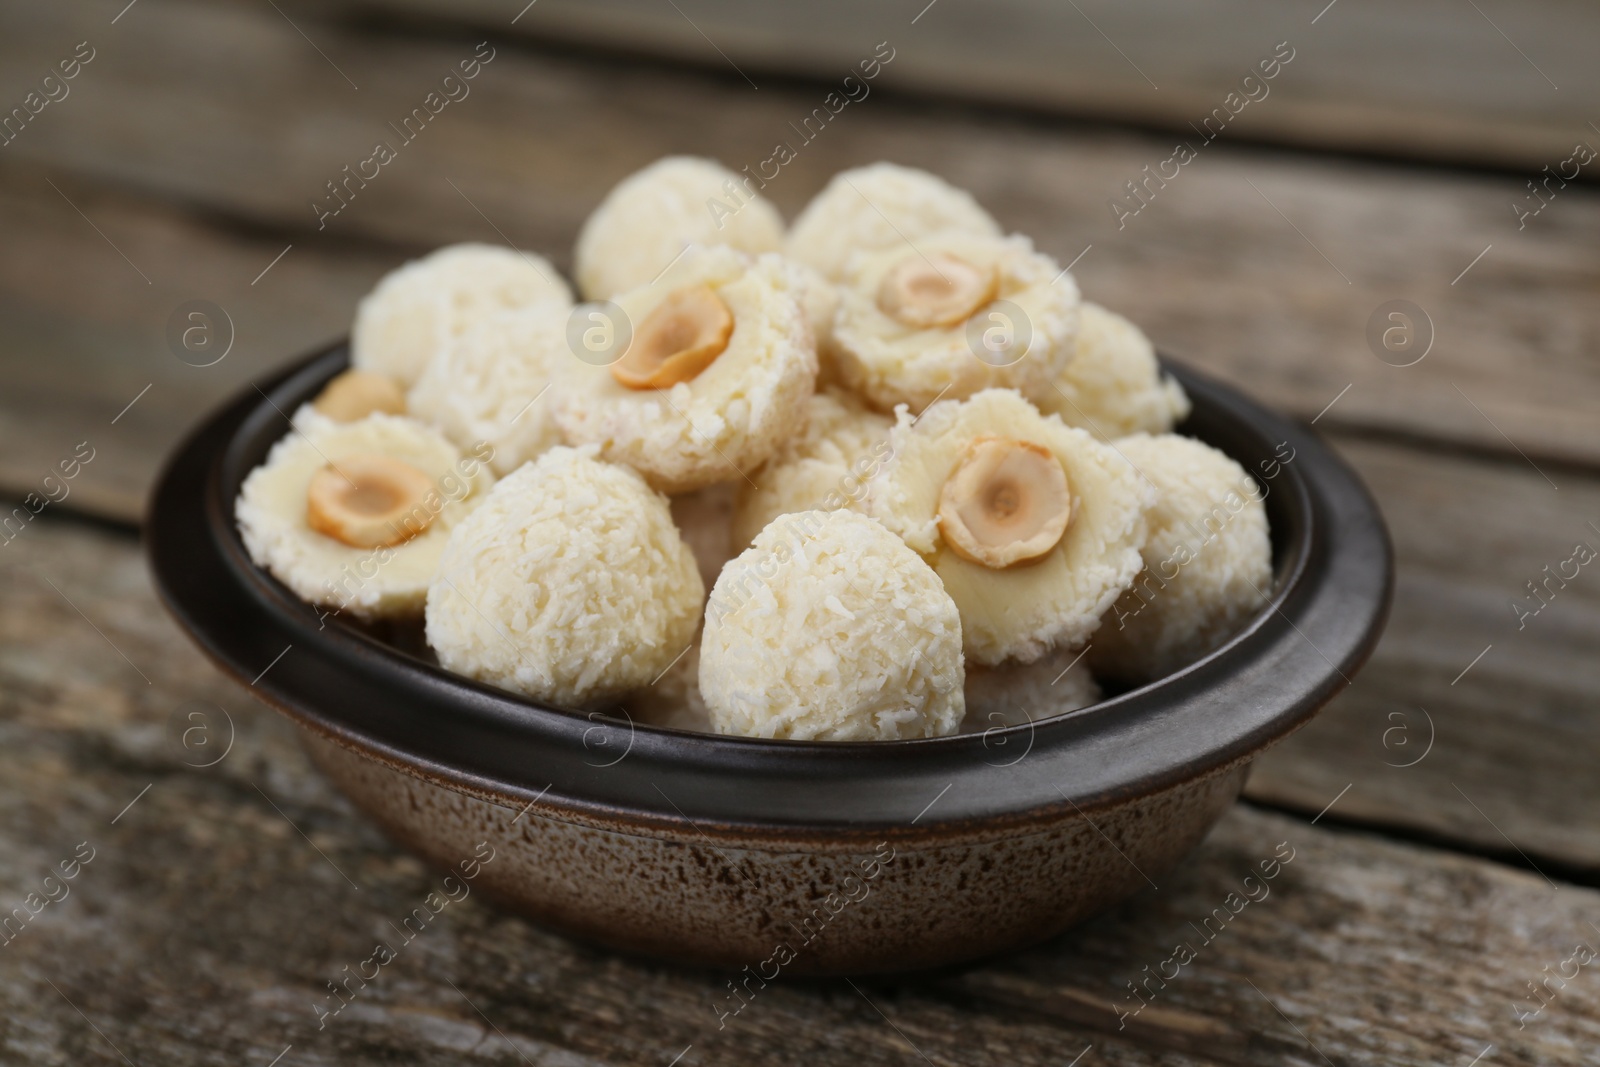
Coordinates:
column 803, row 857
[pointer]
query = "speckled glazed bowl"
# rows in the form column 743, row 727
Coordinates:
column 799, row 857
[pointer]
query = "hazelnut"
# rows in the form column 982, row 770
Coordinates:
column 1006, row 502
column 369, row 501
column 355, row 394
column 676, row 341
column 938, row 290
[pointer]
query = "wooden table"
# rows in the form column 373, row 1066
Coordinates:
column 1445, row 810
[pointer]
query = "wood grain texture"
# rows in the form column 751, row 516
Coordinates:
column 1502, row 755
column 1503, row 85
column 1221, row 278
column 84, row 337
column 218, row 906
column 1259, row 265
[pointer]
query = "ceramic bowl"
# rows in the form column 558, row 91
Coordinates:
column 787, row 856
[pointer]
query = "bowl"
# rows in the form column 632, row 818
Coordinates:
column 786, row 856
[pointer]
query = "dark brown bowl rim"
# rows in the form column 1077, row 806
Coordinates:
column 1332, row 590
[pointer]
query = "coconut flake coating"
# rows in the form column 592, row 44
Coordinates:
column 891, row 363
column 569, row 584
column 420, row 307
column 1114, row 386
column 729, row 418
column 828, row 628
column 1014, row 694
column 1207, row 564
column 1020, row 612
column 825, row 467
column 367, row 583
column 490, row 384
column 649, row 216
column 880, row 207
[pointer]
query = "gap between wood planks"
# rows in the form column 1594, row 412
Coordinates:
column 1365, row 431
column 225, row 222
column 1554, row 868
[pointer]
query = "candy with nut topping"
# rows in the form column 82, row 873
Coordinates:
column 355, row 394
column 713, row 364
column 952, row 315
column 354, row 516
column 1034, row 526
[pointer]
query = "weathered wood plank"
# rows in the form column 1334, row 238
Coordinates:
column 216, row 908
column 82, row 336
column 1514, row 738
column 1430, row 80
column 1260, row 265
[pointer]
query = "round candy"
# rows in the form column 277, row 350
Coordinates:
column 490, row 385
column 956, row 314
column 673, row 699
column 828, row 628
column 1114, row 386
column 650, row 216
column 354, row 516
column 1207, row 564
column 569, row 584
column 825, row 467
column 716, row 373
column 419, row 308
column 1000, row 477
column 1014, row 694
column 882, row 206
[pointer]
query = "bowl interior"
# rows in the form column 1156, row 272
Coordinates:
column 382, row 693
